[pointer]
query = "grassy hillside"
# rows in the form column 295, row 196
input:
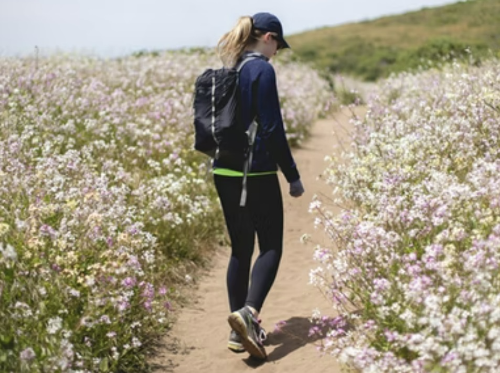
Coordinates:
column 375, row 48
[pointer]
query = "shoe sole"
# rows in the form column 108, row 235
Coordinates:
column 236, row 347
column 238, row 325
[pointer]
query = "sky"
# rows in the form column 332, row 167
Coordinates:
column 111, row 28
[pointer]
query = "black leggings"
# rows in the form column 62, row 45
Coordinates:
column 263, row 214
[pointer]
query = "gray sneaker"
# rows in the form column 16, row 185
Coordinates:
column 247, row 327
column 234, row 343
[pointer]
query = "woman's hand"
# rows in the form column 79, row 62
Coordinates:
column 296, row 188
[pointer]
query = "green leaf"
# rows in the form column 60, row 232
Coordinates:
column 104, row 365
column 9, row 274
column 7, row 341
column 42, row 307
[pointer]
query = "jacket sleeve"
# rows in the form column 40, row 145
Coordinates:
column 271, row 123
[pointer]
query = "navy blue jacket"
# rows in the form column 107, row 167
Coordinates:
column 259, row 98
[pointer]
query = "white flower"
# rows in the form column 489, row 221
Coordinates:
column 27, row 354
column 54, row 325
column 20, row 224
column 8, row 252
column 149, row 256
column 314, row 205
column 136, row 343
column 64, row 363
column 494, row 333
column 89, row 281
column 316, row 277
column 87, row 321
column 116, row 354
column 316, row 313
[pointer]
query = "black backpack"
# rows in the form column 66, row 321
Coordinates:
column 218, row 132
column 217, row 128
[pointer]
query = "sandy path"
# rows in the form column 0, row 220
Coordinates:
column 201, row 331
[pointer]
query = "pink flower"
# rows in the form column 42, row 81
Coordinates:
column 129, row 282
column 278, row 327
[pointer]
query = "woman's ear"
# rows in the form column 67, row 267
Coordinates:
column 268, row 36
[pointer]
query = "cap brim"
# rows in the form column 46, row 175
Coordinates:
column 284, row 44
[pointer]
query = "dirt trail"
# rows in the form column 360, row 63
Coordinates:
column 201, row 331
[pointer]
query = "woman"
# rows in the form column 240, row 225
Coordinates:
column 261, row 36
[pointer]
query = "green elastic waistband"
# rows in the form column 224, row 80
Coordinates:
column 229, row 172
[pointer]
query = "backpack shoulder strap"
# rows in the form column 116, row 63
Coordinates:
column 251, row 133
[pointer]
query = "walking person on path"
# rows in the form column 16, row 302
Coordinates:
column 262, row 36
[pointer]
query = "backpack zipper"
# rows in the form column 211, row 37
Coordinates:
column 216, row 156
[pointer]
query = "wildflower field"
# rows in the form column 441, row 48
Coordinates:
column 104, row 206
column 414, row 267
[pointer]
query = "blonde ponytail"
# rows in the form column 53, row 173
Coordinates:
column 233, row 43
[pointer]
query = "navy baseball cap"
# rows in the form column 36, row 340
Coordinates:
column 270, row 23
